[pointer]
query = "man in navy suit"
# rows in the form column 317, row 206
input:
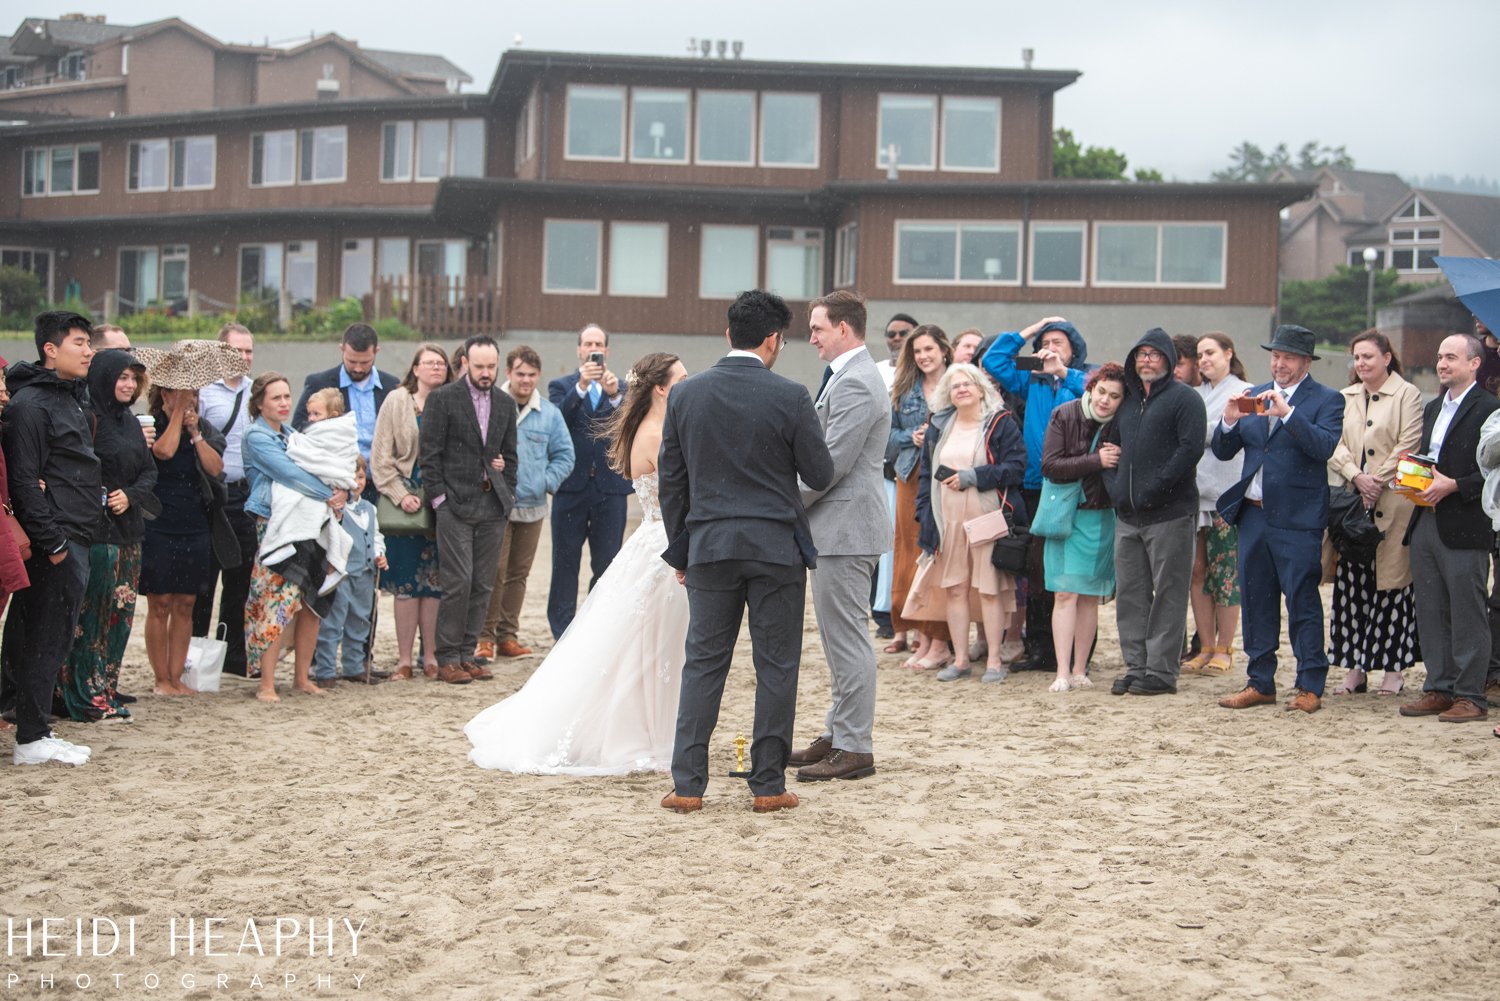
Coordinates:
column 1281, row 508
column 362, row 386
column 590, row 504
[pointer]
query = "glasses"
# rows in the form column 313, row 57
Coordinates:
column 1150, row 354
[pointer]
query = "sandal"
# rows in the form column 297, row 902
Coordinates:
column 1355, row 681
column 1385, row 683
column 1196, row 664
column 895, row 646
column 1221, row 661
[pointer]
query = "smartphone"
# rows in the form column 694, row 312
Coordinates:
column 596, row 358
column 1028, row 363
column 943, row 472
column 1251, row 405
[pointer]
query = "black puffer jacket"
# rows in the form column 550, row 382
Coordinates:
column 1161, row 441
column 49, row 437
column 124, row 457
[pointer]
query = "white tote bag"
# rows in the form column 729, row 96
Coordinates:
column 205, row 663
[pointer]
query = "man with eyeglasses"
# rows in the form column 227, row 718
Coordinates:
column 1155, row 492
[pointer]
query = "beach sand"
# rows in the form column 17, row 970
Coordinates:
column 1014, row 844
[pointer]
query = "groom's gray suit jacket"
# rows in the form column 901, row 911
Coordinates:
column 850, row 517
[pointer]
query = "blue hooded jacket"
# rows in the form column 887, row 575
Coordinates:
column 1042, row 393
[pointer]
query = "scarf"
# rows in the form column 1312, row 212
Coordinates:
column 1088, row 410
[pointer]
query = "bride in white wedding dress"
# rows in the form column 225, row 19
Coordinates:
column 604, row 702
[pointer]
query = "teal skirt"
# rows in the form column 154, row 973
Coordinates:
column 1084, row 562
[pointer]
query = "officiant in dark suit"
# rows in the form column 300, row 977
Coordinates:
column 468, row 461
column 1281, row 507
column 589, row 506
column 735, row 441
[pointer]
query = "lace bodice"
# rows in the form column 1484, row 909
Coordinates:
column 645, row 492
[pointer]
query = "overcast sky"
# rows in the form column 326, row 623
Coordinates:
column 1172, row 84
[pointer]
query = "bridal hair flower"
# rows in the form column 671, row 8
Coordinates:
column 631, row 377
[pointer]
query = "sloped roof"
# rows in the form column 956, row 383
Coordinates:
column 1383, row 191
column 1478, row 216
column 40, row 36
column 418, row 64
column 8, row 55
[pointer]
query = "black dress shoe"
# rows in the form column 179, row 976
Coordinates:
column 1036, row 660
column 124, row 699
column 1151, row 685
column 1122, row 684
column 885, row 633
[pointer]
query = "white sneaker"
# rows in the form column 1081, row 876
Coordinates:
column 80, row 748
column 39, row 752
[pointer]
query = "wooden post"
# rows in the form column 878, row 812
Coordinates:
column 111, row 305
column 284, row 309
column 193, row 308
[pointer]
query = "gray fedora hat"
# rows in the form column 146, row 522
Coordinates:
column 1293, row 340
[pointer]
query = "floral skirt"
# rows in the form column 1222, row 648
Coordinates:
column 1221, row 581
column 274, row 602
column 89, row 676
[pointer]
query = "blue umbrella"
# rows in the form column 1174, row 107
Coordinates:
column 1476, row 280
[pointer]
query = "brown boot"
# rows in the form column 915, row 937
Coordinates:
column 838, row 765
column 811, row 754
column 1430, row 704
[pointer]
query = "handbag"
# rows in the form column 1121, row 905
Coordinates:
column 23, row 541
column 1011, row 550
column 1350, row 527
column 205, row 662
column 395, row 520
column 986, row 528
column 1058, row 504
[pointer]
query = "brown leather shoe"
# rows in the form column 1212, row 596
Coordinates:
column 402, row 673
column 1245, row 698
column 1464, row 711
column 811, row 754
column 484, row 650
column 510, row 648
column 1303, row 702
column 770, row 804
column 453, row 674
column 477, row 671
column 1430, row 704
column 838, row 765
column 1492, row 692
column 681, row 804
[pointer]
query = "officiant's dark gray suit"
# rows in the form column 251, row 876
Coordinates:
column 735, row 441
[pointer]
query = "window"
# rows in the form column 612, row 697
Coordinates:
column 302, row 272
column 147, row 169
column 393, row 258
column 1057, row 253
column 1159, row 254
column 941, row 252
column 10, row 77
column 845, row 255
column 357, row 265
column 658, row 125
column 432, row 149
column 323, row 154
column 971, row 133
column 909, row 123
column 273, row 158
column 442, row 258
column 260, row 270
column 193, row 162
column 638, row 258
column 139, row 278
column 395, row 151
column 1417, row 209
column 571, row 256
column 266, row 268
column 1357, row 259
column 174, row 274
column 71, row 66
column 60, row 170
column 468, row 147
column 526, row 131
column 1415, row 258
column 596, row 123
column 38, row 262
column 729, row 261
column 789, row 130
column 726, row 128
column 794, row 262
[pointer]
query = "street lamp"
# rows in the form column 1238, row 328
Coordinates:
column 1370, row 256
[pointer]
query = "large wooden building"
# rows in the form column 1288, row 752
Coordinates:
column 641, row 193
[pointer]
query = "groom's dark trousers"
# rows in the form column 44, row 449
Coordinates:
column 718, row 594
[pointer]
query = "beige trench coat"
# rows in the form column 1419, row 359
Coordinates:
column 1377, row 430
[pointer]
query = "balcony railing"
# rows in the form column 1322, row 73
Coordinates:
column 439, row 305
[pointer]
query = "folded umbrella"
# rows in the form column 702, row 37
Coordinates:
column 1476, row 280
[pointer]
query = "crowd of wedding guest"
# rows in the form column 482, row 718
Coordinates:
column 1027, row 487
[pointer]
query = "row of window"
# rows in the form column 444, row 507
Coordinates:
column 425, row 150
column 1401, row 258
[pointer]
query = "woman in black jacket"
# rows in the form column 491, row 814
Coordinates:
column 977, row 446
column 90, row 678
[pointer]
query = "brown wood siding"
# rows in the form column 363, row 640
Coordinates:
column 91, row 99
column 167, row 68
column 1252, row 232
column 234, row 79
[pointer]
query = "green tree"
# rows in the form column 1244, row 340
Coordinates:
column 1096, row 163
column 1248, row 162
column 1334, row 307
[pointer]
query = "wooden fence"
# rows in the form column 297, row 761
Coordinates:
column 439, row 305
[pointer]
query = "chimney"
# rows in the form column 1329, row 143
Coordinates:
column 1026, row 56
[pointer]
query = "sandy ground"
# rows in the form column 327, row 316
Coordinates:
column 1015, row 844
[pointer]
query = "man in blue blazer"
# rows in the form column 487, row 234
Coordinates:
column 590, row 504
column 1281, row 508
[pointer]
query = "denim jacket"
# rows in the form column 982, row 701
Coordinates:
column 906, row 417
column 266, row 462
column 544, row 452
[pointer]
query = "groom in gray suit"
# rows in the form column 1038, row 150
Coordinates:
column 851, row 528
column 735, row 441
